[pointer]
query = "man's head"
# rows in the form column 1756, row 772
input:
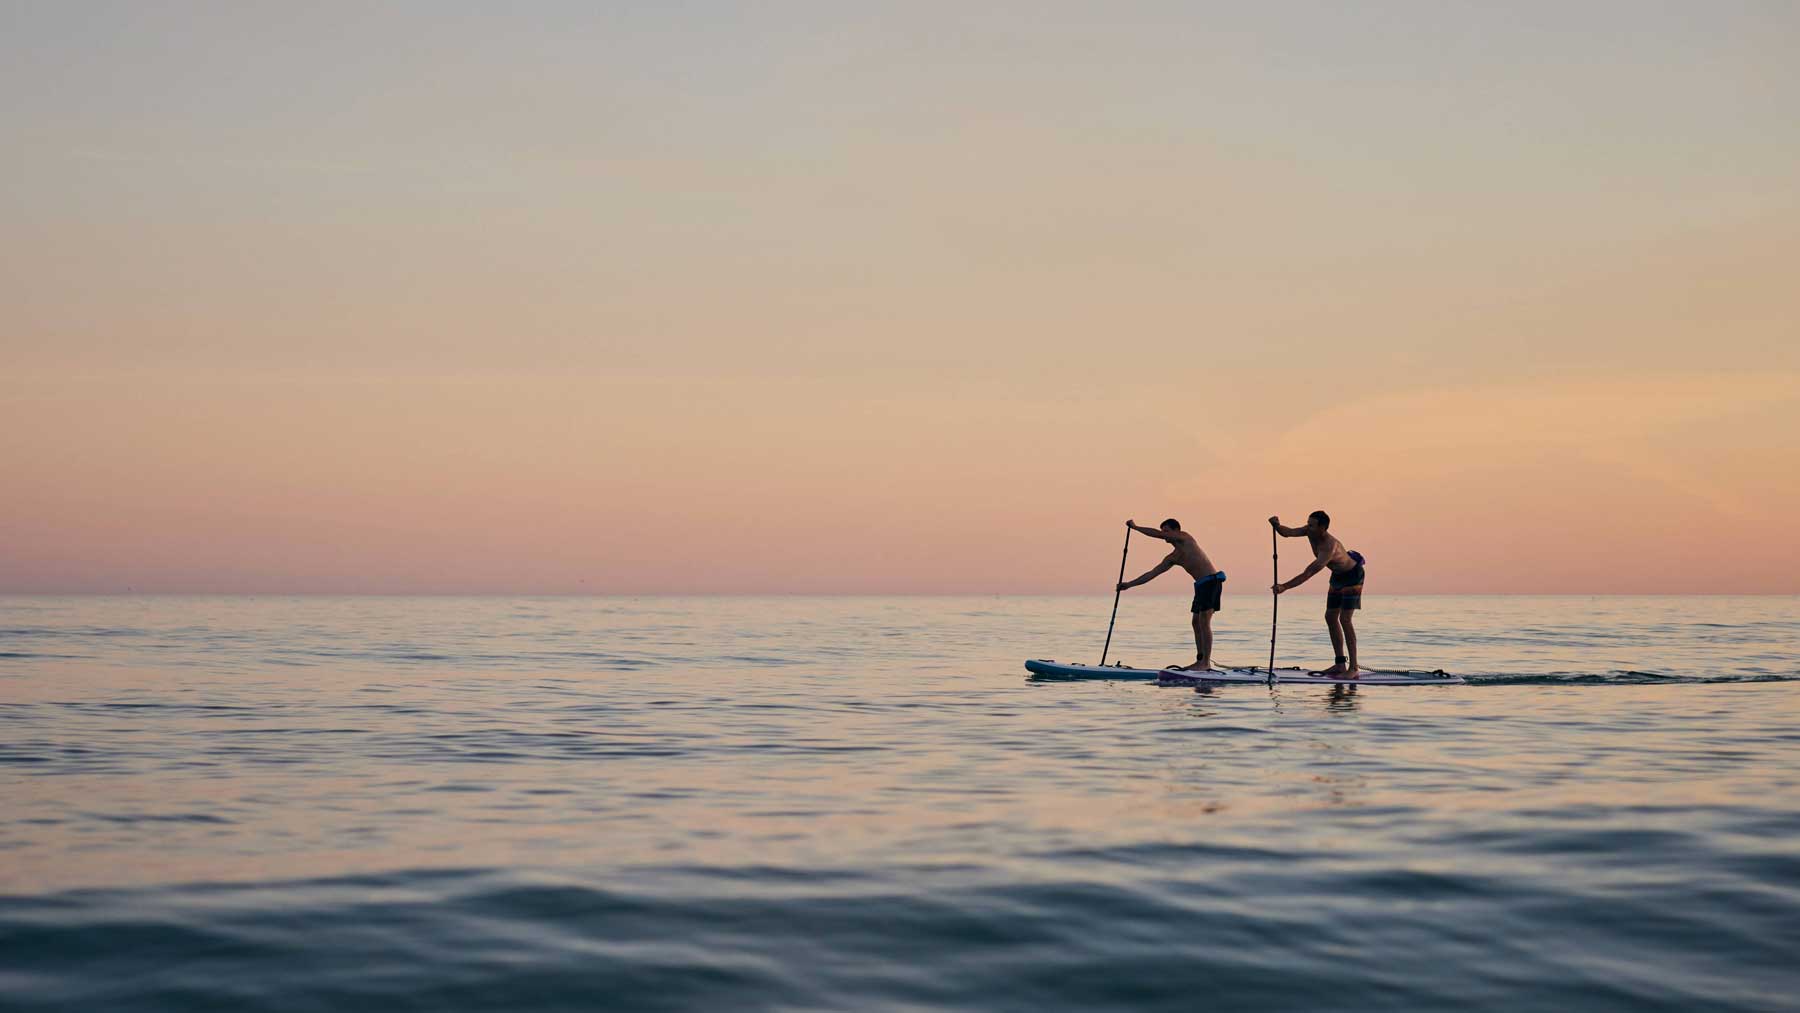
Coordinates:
column 1318, row 522
column 1170, row 525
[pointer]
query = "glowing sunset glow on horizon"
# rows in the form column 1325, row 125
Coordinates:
column 819, row 299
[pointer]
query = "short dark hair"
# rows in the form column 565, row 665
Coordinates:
column 1170, row 525
column 1321, row 516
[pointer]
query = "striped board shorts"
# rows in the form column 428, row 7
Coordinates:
column 1346, row 590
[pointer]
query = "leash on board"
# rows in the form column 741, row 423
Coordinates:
column 1274, row 598
column 1116, row 593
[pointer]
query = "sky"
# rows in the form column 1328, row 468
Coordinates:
column 913, row 298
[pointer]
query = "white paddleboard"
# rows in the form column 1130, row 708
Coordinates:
column 1044, row 668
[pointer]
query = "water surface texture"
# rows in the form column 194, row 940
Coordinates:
column 319, row 803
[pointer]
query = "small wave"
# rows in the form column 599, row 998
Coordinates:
column 130, row 818
column 522, row 660
column 1628, row 677
column 71, row 632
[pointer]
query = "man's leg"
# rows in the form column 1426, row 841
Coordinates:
column 1346, row 619
column 1202, row 640
column 1337, row 642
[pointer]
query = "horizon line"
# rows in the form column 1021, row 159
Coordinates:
column 837, row 594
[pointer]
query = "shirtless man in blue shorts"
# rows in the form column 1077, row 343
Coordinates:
column 1209, row 583
column 1344, row 596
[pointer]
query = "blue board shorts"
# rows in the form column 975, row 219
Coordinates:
column 1208, row 592
column 1345, row 593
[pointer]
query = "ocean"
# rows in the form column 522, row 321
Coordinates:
column 835, row 803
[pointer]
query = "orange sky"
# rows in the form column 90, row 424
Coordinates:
column 810, row 299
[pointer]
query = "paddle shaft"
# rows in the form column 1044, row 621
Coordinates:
column 1116, row 593
column 1275, row 603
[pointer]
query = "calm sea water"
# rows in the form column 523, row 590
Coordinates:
column 318, row 803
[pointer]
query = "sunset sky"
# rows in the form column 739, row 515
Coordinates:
column 570, row 297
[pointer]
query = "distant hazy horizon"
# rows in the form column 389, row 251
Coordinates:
column 1293, row 600
column 819, row 297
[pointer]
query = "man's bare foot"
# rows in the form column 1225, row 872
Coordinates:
column 1198, row 666
column 1338, row 672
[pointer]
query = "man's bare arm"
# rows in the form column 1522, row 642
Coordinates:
column 1152, row 532
column 1285, row 532
column 1158, row 571
column 1305, row 575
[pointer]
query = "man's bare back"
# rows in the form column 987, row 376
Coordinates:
column 1187, row 554
column 1331, row 553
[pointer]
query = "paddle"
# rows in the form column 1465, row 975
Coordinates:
column 1275, row 599
column 1116, row 593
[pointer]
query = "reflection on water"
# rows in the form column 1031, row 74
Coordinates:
column 839, row 802
column 1341, row 698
